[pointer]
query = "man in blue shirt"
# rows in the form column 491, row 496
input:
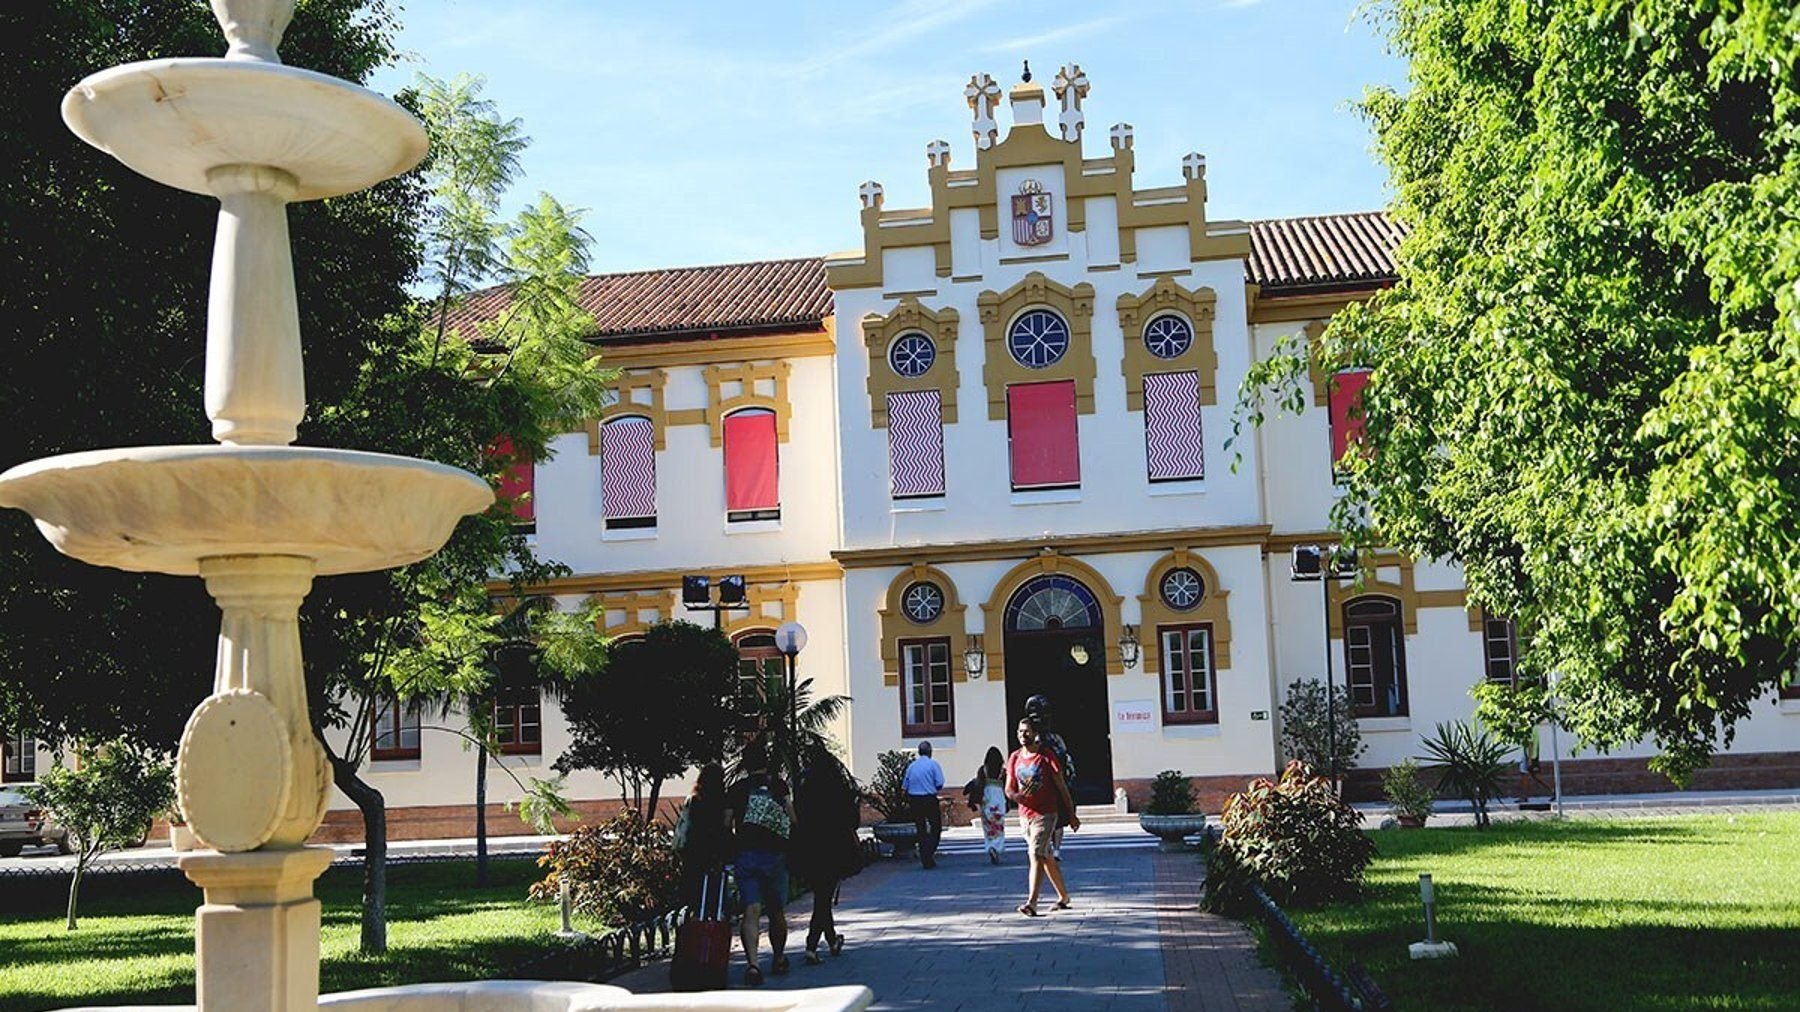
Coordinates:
column 923, row 780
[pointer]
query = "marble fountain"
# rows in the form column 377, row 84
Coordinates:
column 257, row 518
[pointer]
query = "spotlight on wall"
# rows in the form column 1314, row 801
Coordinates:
column 696, row 590
column 731, row 589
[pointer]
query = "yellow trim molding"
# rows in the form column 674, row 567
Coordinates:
column 748, row 385
column 1293, row 308
column 632, row 605
column 1155, row 612
column 879, row 333
column 658, row 579
column 639, row 392
column 1243, row 535
column 1036, row 291
column 994, row 611
column 1163, row 298
column 724, row 350
column 895, row 626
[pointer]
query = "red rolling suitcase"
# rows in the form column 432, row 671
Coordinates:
column 703, row 943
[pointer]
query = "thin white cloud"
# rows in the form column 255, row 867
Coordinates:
column 1054, row 35
column 908, row 20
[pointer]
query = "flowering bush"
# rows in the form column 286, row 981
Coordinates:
column 1294, row 837
column 619, row 871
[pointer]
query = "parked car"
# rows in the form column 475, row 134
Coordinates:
column 23, row 824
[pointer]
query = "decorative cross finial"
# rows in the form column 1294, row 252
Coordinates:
column 1027, row 77
column 1121, row 136
column 870, row 192
column 253, row 27
column 983, row 94
column 938, row 153
column 1071, row 87
column 1193, row 165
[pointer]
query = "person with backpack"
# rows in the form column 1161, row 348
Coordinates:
column 1037, row 710
column 986, row 794
column 762, row 814
column 827, row 810
column 1034, row 781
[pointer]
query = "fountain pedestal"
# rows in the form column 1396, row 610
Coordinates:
column 256, row 938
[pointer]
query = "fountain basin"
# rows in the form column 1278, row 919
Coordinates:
column 176, row 120
column 538, row 996
column 161, row 509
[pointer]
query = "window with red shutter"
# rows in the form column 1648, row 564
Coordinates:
column 517, row 483
column 752, row 476
column 1041, row 430
column 1346, row 412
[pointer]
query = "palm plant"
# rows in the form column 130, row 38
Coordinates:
column 1471, row 764
column 789, row 727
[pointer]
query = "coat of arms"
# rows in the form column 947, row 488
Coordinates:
column 1032, row 221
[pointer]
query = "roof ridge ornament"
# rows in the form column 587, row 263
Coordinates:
column 1122, row 134
column 1071, row 86
column 983, row 95
column 937, row 153
column 1027, row 77
column 871, row 193
column 1193, row 165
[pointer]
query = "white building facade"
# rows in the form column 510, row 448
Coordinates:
column 985, row 457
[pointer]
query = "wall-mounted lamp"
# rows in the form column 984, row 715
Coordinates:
column 1129, row 646
column 974, row 657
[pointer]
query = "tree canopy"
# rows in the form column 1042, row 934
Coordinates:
column 1583, row 385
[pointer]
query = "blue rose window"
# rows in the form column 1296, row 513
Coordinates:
column 1168, row 336
column 912, row 354
column 923, row 603
column 1037, row 339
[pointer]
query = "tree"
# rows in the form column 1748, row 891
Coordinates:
column 105, row 801
column 1327, row 741
column 663, row 706
column 790, row 725
column 1582, row 385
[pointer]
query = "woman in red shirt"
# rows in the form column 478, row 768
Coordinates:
column 1034, row 779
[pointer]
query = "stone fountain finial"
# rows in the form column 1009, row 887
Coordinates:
column 253, row 27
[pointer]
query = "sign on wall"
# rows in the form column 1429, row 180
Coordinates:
column 1134, row 715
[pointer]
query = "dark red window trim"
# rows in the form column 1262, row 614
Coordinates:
column 518, row 732
column 929, row 646
column 1187, row 714
column 394, row 714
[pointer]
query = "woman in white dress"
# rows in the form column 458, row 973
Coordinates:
column 993, row 803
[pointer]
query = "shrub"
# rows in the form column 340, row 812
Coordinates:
column 105, row 801
column 1294, row 837
column 1471, row 764
column 887, row 789
column 619, row 871
column 1171, row 793
column 1408, row 797
column 1307, row 733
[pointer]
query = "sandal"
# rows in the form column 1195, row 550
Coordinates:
column 1061, row 905
column 813, row 958
column 752, row 975
column 1028, row 910
column 778, row 965
column 837, row 943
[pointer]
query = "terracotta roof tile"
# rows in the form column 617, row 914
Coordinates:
column 1331, row 251
column 689, row 302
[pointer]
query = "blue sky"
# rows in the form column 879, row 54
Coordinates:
column 711, row 132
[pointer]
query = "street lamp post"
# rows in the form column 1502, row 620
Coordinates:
column 790, row 639
column 1308, row 563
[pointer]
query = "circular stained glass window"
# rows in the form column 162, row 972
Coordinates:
column 922, row 602
column 912, row 354
column 1182, row 588
column 1038, row 338
column 1052, row 602
column 1168, row 336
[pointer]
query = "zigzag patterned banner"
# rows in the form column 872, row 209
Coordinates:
column 628, row 468
column 1172, row 426
column 916, row 443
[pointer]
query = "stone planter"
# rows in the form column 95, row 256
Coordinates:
column 181, row 838
column 1172, row 829
column 1410, row 821
column 902, row 836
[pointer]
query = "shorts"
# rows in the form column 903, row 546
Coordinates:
column 1040, row 834
column 762, row 879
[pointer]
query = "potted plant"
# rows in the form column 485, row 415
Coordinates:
column 181, row 838
column 1409, row 800
column 1170, row 816
column 887, row 795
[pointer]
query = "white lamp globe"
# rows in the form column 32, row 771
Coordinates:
column 790, row 639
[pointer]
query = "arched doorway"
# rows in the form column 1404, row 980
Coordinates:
column 1055, row 645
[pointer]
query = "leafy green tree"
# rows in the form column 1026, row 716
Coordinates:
column 1326, row 740
column 106, row 801
column 691, row 674
column 1582, row 384
column 790, row 725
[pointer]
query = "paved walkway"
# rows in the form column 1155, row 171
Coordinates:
column 949, row 938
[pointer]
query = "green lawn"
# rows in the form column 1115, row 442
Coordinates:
column 1641, row 914
column 140, row 948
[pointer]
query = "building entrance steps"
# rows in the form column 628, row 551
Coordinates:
column 949, row 938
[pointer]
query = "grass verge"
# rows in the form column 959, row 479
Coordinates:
column 1645, row 914
column 139, row 948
